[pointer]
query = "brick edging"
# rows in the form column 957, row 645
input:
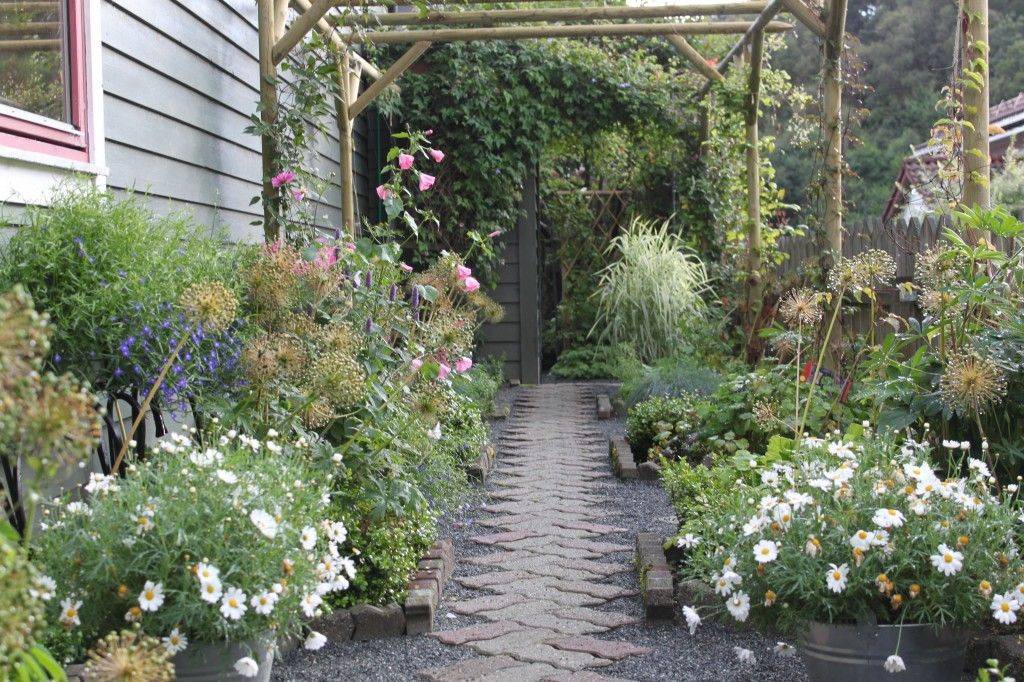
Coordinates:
column 481, row 468
column 655, row 578
column 364, row 622
column 604, row 406
column 621, row 455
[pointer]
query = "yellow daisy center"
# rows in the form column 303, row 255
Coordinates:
column 836, row 575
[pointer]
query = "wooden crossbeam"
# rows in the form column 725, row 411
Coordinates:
column 806, row 16
column 46, row 45
column 388, row 77
column 762, row 23
column 562, row 31
column 491, row 17
column 30, row 28
column 302, row 25
column 694, row 57
column 328, row 32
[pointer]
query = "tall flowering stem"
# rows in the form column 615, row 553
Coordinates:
column 821, row 357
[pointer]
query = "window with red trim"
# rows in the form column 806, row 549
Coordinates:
column 43, row 77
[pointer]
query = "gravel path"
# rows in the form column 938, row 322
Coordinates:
column 554, row 419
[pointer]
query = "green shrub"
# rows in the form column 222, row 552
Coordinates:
column 671, row 377
column 693, row 488
column 108, row 272
column 482, row 383
column 596, row 362
column 646, row 420
column 651, row 292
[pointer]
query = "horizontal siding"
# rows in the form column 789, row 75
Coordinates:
column 180, row 82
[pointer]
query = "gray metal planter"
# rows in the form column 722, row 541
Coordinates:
column 216, row 662
column 856, row 653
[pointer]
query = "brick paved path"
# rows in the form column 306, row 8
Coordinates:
column 543, row 593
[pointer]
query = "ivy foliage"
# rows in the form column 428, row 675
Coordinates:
column 495, row 106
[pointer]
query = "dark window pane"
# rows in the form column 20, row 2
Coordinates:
column 34, row 57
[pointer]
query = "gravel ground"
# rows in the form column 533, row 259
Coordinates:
column 677, row 655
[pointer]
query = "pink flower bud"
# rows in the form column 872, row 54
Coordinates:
column 463, row 364
column 282, row 178
column 471, row 284
column 416, row 364
column 350, row 247
column 494, row 234
column 437, row 155
column 443, row 371
column 405, row 267
column 405, row 161
column 426, row 181
column 462, row 272
column 383, row 192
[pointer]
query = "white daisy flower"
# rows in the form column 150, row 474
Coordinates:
column 310, row 603
column 99, row 482
column 725, row 582
column 247, row 667
column 692, row 618
column 1004, row 609
column 880, row 538
column 264, row 522
column 739, row 606
column 688, row 541
column 336, row 531
column 308, row 537
column 69, row 610
column 206, row 572
column 783, row 650
column 783, row 514
column 862, row 540
column 210, row 590
column 948, row 561
column 744, row 656
column 979, row 467
column 766, row 551
column 348, row 566
column 263, row 604
column 77, row 507
column 152, row 596
column 227, row 476
column 232, row 604
column 835, row 579
column 888, row 518
column 315, row 641
column 798, row 500
column 894, row 664
column 175, row 642
column 44, row 589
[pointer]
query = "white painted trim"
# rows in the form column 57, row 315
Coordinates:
column 28, row 177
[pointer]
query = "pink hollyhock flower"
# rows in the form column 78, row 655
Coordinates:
column 416, row 364
column 405, row 161
column 437, row 155
column 350, row 247
column 428, row 133
column 405, row 267
column 383, row 192
column 463, row 364
column 443, row 371
column 298, row 194
column 282, row 178
column 494, row 234
column 326, row 257
column 471, row 284
column 462, row 272
column 426, row 181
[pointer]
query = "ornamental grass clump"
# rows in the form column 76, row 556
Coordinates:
column 651, row 292
column 197, row 545
column 862, row 529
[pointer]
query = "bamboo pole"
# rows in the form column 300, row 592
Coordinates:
column 754, row 243
column 806, row 16
column 561, row 31
column 30, row 45
column 762, row 24
column 268, row 116
column 328, row 32
column 491, row 17
column 695, row 58
column 832, row 126
column 977, row 162
column 388, row 77
column 348, row 213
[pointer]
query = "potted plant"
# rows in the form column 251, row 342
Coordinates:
column 216, row 551
column 878, row 559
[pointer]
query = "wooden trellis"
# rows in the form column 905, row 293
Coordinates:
column 578, row 19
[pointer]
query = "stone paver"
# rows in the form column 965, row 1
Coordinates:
column 541, row 587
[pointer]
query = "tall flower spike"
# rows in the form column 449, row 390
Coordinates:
column 971, row 384
column 209, row 304
column 802, row 308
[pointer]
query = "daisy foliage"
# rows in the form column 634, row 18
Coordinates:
column 233, row 546
column 864, row 527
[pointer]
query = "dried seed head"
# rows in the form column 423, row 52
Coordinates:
column 971, row 384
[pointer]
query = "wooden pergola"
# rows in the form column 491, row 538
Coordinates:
column 582, row 18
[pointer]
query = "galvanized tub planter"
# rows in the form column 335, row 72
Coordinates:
column 857, row 653
column 216, row 662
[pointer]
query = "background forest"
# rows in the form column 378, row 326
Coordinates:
column 904, row 50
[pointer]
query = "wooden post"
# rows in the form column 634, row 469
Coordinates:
column 529, row 307
column 832, row 126
column 268, row 116
column 977, row 163
column 696, row 59
column 754, row 244
column 806, row 16
column 348, row 212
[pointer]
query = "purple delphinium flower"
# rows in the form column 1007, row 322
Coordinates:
column 393, row 293
column 369, row 278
